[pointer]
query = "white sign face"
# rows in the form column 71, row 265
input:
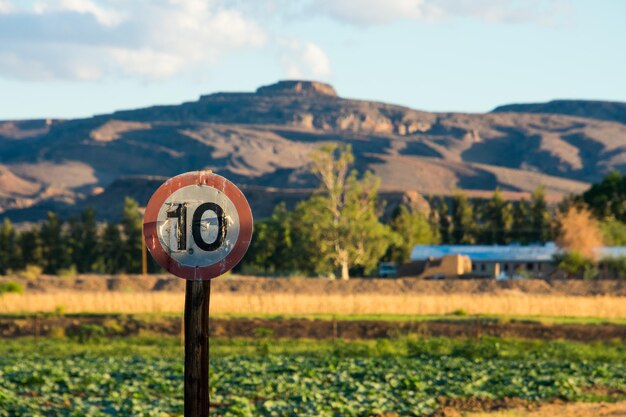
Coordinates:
column 198, row 225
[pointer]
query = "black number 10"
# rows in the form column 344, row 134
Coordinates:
column 180, row 213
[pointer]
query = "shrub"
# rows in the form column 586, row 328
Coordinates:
column 11, row 286
column 343, row 349
column 576, row 265
column 486, row 348
column 30, row 272
column 89, row 333
column 113, row 327
column 437, row 346
column 70, row 272
column 616, row 266
column 459, row 313
column 263, row 336
column 386, row 348
column 57, row 333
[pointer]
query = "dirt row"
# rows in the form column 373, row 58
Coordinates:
column 314, row 329
column 256, row 285
column 513, row 407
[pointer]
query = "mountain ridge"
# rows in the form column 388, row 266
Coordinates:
column 263, row 139
column 594, row 109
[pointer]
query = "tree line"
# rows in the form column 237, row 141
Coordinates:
column 494, row 221
column 78, row 245
column 341, row 230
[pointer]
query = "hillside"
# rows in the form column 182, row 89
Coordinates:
column 263, row 139
column 594, row 109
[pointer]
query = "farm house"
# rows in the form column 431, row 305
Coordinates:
column 498, row 261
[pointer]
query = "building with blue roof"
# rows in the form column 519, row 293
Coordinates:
column 505, row 261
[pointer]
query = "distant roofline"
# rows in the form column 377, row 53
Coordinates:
column 504, row 253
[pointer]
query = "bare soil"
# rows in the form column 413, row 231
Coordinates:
column 257, row 285
column 601, row 409
column 128, row 325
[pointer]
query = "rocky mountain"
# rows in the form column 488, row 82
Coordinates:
column 594, row 109
column 262, row 140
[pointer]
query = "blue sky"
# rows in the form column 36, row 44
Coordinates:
column 74, row 58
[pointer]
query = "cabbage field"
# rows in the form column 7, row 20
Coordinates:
column 407, row 377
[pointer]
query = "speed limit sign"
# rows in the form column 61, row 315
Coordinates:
column 198, row 225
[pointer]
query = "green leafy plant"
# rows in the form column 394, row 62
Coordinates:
column 263, row 337
column 88, row 333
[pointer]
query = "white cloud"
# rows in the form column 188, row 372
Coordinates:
column 155, row 39
column 370, row 12
column 104, row 15
column 510, row 11
column 376, row 12
column 6, row 6
column 305, row 60
column 147, row 62
column 149, row 39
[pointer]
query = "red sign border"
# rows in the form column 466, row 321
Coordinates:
column 198, row 178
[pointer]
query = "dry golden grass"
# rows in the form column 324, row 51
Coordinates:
column 281, row 303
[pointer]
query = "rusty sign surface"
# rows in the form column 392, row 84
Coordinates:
column 198, row 225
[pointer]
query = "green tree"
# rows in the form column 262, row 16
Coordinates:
column 260, row 250
column 9, row 248
column 31, row 248
column 83, row 238
column 280, row 228
column 498, row 219
column 111, row 257
column 411, row 228
column 342, row 220
column 55, row 248
column 521, row 229
column 613, row 232
column 463, row 220
column 539, row 216
column 311, row 222
column 272, row 246
column 606, row 199
column 132, row 229
column 444, row 221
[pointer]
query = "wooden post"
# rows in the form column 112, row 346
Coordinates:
column 478, row 330
column 197, row 297
column 144, row 258
column 182, row 330
column 36, row 327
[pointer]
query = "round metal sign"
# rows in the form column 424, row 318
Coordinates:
column 198, row 225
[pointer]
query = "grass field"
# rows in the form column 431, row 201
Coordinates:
column 604, row 307
column 250, row 377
